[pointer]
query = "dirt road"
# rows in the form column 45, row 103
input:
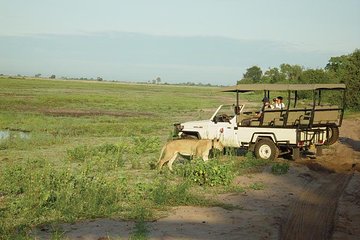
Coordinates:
column 312, row 214
column 328, row 209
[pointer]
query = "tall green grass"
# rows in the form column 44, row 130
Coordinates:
column 98, row 163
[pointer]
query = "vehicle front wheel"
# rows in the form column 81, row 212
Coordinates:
column 266, row 149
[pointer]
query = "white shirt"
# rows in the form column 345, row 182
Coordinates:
column 279, row 105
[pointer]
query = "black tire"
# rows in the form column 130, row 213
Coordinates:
column 333, row 135
column 266, row 149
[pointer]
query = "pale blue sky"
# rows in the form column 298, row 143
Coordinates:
column 209, row 41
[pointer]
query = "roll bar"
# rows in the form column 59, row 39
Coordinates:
column 281, row 87
column 291, row 88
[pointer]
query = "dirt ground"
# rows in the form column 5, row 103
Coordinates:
column 317, row 199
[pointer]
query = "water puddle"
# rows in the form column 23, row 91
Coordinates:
column 7, row 134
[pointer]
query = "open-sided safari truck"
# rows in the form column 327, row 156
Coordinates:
column 298, row 126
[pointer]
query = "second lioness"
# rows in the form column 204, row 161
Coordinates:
column 187, row 147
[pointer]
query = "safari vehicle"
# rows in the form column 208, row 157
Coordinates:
column 297, row 127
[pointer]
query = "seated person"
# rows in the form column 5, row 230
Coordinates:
column 279, row 103
column 258, row 117
column 274, row 103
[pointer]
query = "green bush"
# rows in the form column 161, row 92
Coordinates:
column 210, row 173
column 280, row 168
column 250, row 163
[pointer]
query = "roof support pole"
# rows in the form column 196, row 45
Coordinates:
column 289, row 99
column 313, row 109
column 237, row 98
column 343, row 106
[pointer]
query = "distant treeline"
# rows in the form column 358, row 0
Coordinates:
column 341, row 69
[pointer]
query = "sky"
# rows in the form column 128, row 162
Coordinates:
column 201, row 41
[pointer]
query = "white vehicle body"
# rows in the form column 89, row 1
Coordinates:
column 232, row 134
column 290, row 129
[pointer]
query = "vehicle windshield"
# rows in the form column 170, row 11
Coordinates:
column 226, row 113
column 228, row 110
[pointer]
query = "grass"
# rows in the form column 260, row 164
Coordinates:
column 280, row 168
column 92, row 149
column 250, row 164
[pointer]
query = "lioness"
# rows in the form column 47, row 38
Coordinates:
column 187, row 147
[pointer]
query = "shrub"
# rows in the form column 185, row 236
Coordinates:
column 250, row 163
column 210, row 173
column 280, row 168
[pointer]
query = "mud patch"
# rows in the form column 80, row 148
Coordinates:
column 314, row 166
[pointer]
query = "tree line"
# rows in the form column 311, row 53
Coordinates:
column 340, row 69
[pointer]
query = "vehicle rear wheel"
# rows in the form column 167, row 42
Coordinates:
column 266, row 149
column 333, row 135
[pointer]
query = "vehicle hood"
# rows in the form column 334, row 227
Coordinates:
column 195, row 124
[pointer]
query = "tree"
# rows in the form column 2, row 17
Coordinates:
column 273, row 75
column 314, row 76
column 99, row 79
column 335, row 63
column 158, row 80
column 53, row 76
column 346, row 69
column 37, row 75
column 252, row 75
column 292, row 73
column 340, row 69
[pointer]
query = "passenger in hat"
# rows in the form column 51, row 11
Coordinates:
column 266, row 104
column 280, row 104
column 258, row 116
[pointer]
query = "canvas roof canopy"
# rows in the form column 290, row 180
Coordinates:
column 281, row 87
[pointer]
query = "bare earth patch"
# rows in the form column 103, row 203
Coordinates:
column 317, row 199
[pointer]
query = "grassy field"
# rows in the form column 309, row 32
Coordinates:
column 73, row 150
